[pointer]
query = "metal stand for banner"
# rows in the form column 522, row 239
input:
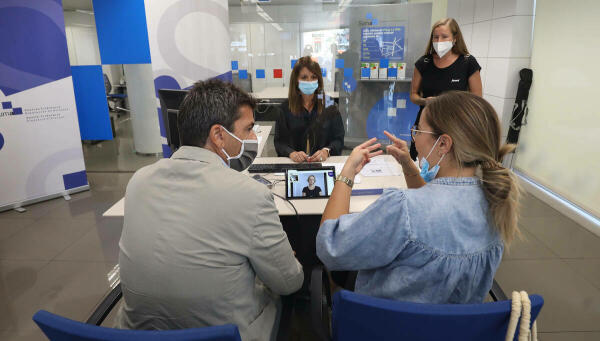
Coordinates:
column 19, row 206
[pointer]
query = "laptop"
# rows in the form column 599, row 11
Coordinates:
column 314, row 183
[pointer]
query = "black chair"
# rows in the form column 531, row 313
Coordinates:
column 117, row 99
column 170, row 101
column 244, row 84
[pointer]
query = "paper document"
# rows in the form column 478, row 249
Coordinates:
column 338, row 170
column 378, row 167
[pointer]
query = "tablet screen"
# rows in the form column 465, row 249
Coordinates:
column 309, row 184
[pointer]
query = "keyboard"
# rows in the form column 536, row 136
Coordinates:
column 282, row 167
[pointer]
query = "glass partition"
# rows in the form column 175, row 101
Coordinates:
column 366, row 53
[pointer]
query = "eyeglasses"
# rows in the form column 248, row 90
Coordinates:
column 414, row 131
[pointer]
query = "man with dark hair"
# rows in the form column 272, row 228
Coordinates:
column 202, row 244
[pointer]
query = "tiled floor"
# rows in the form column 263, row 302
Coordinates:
column 57, row 255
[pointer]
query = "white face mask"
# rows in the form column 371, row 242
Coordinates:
column 443, row 47
column 246, row 155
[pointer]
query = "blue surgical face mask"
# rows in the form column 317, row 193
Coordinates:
column 426, row 173
column 308, row 88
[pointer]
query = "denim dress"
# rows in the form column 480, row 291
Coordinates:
column 434, row 244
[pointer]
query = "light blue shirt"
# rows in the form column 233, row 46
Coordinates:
column 434, row 244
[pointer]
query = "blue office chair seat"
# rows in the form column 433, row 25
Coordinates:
column 116, row 96
column 58, row 328
column 361, row 317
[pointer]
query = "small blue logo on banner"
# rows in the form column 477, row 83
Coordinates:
column 11, row 111
column 1, row 141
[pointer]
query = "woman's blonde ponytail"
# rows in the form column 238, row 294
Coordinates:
column 474, row 127
column 502, row 193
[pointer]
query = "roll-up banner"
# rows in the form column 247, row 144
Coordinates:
column 40, row 145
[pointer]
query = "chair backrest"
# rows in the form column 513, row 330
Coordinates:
column 360, row 317
column 170, row 101
column 107, row 85
column 244, row 84
column 58, row 328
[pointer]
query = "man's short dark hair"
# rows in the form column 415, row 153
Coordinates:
column 208, row 103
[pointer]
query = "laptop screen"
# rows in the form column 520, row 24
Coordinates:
column 309, row 184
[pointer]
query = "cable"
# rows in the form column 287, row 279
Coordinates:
column 294, row 207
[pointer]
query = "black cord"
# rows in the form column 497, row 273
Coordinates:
column 294, row 207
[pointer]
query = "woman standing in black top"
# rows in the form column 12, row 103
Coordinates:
column 446, row 65
column 306, row 131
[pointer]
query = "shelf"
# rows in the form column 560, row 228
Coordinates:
column 386, row 80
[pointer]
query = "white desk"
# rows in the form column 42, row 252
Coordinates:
column 280, row 93
column 118, row 209
column 310, row 206
column 317, row 206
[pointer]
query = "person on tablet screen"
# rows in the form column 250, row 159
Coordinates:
column 312, row 191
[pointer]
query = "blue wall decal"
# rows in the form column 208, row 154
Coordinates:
column 379, row 118
column 90, row 98
column 122, row 31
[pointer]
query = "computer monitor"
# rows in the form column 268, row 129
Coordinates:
column 309, row 184
column 170, row 101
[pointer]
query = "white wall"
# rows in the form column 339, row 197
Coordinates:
column 558, row 148
column 438, row 9
column 82, row 39
column 498, row 33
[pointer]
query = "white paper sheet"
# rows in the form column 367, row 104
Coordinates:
column 338, row 170
column 378, row 167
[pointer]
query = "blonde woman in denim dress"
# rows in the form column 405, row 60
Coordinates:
column 440, row 240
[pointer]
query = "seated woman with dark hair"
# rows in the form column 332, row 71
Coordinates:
column 306, row 130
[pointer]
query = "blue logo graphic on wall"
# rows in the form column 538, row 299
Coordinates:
column 7, row 109
column 394, row 113
column 1, row 141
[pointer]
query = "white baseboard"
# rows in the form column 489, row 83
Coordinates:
column 564, row 206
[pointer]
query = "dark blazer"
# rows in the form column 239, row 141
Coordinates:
column 296, row 132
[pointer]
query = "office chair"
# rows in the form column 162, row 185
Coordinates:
column 244, row 84
column 361, row 317
column 118, row 100
column 58, row 328
column 170, row 101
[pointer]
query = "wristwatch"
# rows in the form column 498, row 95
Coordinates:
column 328, row 151
column 345, row 180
